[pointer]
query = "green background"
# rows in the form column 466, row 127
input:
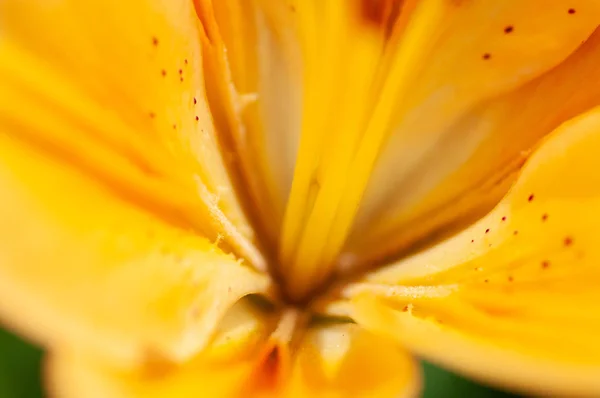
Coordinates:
column 20, row 375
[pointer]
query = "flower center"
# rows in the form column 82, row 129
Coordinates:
column 306, row 171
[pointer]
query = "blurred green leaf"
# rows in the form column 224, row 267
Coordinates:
column 442, row 384
column 20, row 370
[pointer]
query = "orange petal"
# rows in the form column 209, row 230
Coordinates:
column 513, row 299
column 81, row 264
column 469, row 121
column 119, row 91
column 397, row 92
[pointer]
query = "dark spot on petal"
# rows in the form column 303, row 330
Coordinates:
column 515, row 232
column 197, row 118
column 544, row 217
column 155, row 41
column 174, row 127
column 530, row 198
column 503, row 218
column 180, row 71
column 510, row 279
column 269, row 372
column 508, row 29
column 181, row 79
column 380, row 14
column 152, row 115
column 185, row 61
column 487, row 230
column 568, row 241
column 545, row 264
column 374, row 12
column 163, row 73
column 571, row 11
column 486, row 56
column 486, row 280
column 273, row 356
column 472, row 240
column 405, row 309
column 195, row 101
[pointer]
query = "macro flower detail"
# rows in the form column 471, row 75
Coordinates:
column 289, row 198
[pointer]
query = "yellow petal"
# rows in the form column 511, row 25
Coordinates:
column 331, row 361
column 74, row 376
column 469, row 122
column 81, row 264
column 344, row 360
column 513, row 299
column 225, row 369
column 119, row 90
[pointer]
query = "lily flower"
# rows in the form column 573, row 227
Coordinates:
column 290, row 198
